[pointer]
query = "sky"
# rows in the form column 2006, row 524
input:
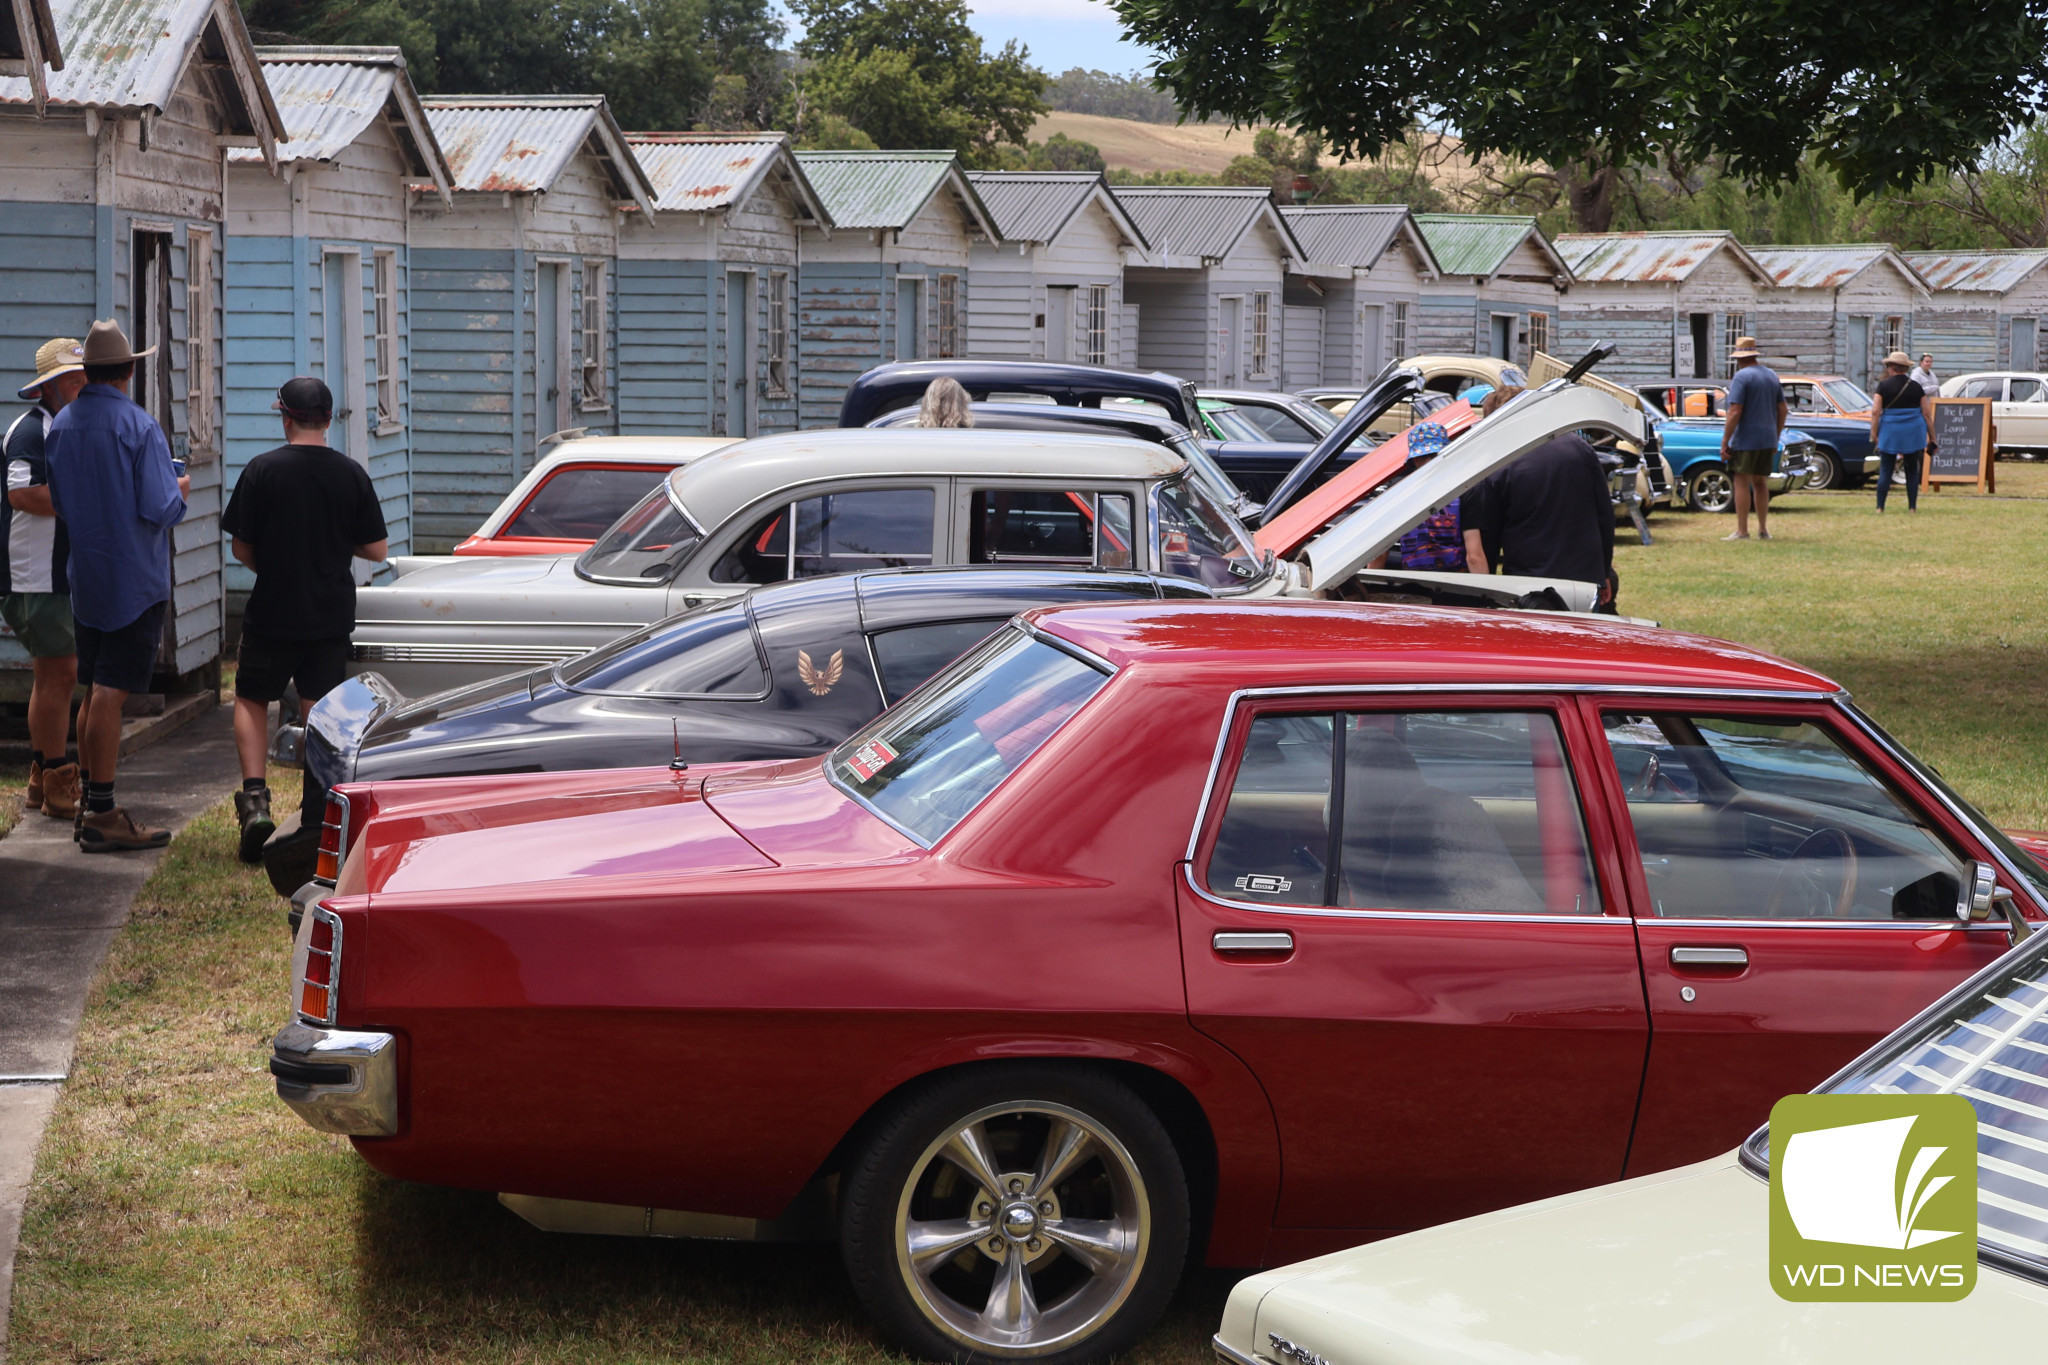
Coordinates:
column 1061, row 34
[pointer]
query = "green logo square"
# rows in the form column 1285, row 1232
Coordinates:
column 1873, row 1198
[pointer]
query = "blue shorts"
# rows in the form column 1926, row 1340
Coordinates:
column 123, row 658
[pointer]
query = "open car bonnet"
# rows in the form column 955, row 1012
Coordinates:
column 1497, row 441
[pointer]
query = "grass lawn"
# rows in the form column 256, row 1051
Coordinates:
column 180, row 1213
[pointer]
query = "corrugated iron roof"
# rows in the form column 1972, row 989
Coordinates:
column 1036, row 206
column 1976, row 272
column 888, row 189
column 703, row 172
column 1355, row 235
column 330, row 95
column 28, row 34
column 1480, row 243
column 1829, row 267
column 1648, row 257
column 1203, row 222
column 129, row 54
column 521, row 144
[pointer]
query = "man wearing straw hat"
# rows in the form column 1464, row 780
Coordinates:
column 35, row 596
column 1749, row 440
column 112, row 481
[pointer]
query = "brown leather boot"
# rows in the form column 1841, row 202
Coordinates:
column 34, row 799
column 112, row 831
column 60, row 791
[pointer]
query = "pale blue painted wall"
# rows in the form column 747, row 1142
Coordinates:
column 847, row 324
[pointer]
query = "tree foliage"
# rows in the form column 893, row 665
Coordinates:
column 1080, row 91
column 1883, row 99
column 914, row 74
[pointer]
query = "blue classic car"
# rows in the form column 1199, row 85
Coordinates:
column 1842, row 456
column 1692, row 447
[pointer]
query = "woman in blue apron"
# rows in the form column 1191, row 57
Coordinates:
column 1899, row 423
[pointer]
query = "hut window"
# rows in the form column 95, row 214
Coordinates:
column 1262, row 334
column 1098, row 324
column 778, row 331
column 384, row 287
column 1894, row 335
column 949, row 315
column 1539, row 333
column 199, row 341
column 1400, row 337
column 594, row 387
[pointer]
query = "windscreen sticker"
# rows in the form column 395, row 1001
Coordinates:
column 870, row 758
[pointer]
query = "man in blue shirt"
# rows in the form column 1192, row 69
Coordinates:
column 112, row 481
column 1749, row 440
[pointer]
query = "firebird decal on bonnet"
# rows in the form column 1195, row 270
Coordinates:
column 820, row 680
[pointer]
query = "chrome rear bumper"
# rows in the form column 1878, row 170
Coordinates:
column 336, row 1080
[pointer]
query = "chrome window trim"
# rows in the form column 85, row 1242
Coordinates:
column 1243, row 695
column 1354, row 912
column 1912, row 925
column 1089, row 657
column 533, row 625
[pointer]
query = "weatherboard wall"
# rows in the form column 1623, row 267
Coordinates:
column 1650, row 322
column 75, row 202
column 1966, row 330
column 1455, row 312
column 1012, row 306
column 1813, row 328
column 1183, row 313
column 1359, row 314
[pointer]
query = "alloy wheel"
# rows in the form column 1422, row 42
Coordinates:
column 1022, row 1229
column 1711, row 490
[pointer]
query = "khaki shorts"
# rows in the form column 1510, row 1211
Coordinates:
column 1750, row 461
column 42, row 622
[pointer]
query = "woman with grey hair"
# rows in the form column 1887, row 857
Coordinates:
column 945, row 405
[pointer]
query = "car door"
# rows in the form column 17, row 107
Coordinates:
column 1796, row 901
column 1438, row 990
column 898, row 524
column 2023, row 417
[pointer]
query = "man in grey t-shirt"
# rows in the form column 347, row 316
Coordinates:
column 1749, row 440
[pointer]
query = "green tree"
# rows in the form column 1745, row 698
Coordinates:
column 913, row 74
column 1595, row 89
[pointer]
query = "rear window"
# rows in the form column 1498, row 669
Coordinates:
column 577, row 504
column 925, row 764
column 709, row 652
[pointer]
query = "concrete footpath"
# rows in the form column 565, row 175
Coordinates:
column 59, row 909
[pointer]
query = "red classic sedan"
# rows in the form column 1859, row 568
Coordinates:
column 1256, row 929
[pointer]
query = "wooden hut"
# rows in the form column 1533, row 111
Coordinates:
column 513, row 311
column 889, row 279
column 1837, row 309
column 1498, row 289
column 1210, row 292
column 1672, row 303
column 707, row 337
column 317, row 262
column 1367, row 266
column 112, row 175
column 1053, row 288
column 1984, row 310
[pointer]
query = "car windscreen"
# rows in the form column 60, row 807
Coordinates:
column 1989, row 1044
column 578, row 504
column 709, row 652
column 1199, row 539
column 1304, row 422
column 925, row 764
column 1848, row 396
column 644, row 546
column 1227, row 423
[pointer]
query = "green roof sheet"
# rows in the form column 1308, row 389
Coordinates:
column 1479, row 243
column 882, row 189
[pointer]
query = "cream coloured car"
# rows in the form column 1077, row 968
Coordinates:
column 1674, row 1268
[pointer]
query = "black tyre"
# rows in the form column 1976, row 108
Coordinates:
column 1710, row 489
column 1030, row 1212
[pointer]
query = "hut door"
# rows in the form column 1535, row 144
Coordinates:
column 1059, row 323
column 1227, row 342
column 1371, row 325
column 341, row 331
column 1503, row 338
column 1702, row 325
column 739, row 353
column 2023, row 330
column 909, row 319
column 1856, row 363
column 551, row 332
column 150, row 322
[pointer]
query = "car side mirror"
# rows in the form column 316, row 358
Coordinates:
column 1987, row 898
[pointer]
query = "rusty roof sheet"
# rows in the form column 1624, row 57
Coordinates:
column 889, row 189
column 1204, row 223
column 1976, row 272
column 1480, row 243
column 1355, row 235
column 330, row 95
column 1831, row 267
column 28, row 34
column 1036, row 206
column 1648, row 257
column 701, row 172
column 130, row 54
column 521, row 144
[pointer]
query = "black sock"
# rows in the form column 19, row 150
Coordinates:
column 35, row 756
column 99, row 797
column 255, row 784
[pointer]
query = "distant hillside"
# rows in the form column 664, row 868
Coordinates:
column 1207, row 148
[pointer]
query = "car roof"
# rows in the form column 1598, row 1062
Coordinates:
column 1251, row 396
column 633, row 449
column 1996, row 374
column 719, row 485
column 1359, row 642
column 886, row 388
column 1156, row 426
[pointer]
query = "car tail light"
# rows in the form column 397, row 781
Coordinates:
column 334, row 836
column 317, row 965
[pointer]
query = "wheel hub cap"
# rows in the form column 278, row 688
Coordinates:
column 1020, row 1222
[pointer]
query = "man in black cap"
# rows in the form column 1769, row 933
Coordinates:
column 300, row 515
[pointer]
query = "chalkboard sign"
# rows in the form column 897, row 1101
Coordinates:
column 1962, row 443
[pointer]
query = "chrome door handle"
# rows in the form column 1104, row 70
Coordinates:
column 1710, row 957
column 1226, row 941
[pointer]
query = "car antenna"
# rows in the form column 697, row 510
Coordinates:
column 676, row 764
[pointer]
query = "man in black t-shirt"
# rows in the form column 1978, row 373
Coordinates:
column 300, row 515
column 1547, row 515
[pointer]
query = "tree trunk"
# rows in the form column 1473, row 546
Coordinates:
column 1589, row 186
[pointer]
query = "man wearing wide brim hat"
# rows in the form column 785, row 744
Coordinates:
column 35, row 595
column 112, row 480
column 1750, row 436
